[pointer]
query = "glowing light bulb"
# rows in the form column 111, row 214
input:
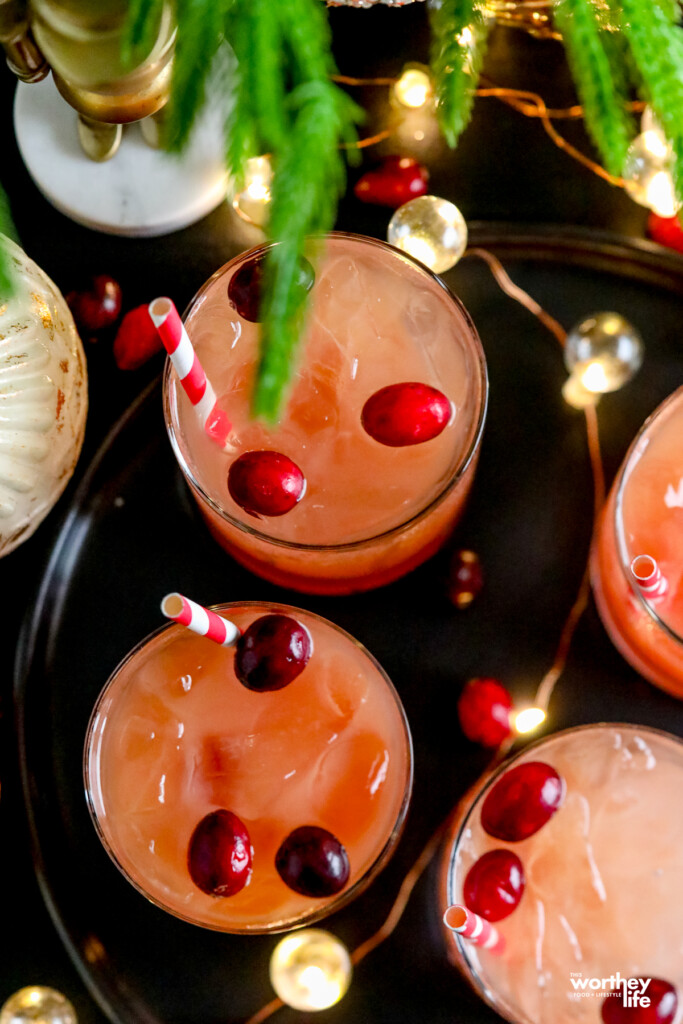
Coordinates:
column 310, row 969
column 529, row 719
column 252, row 200
column 601, row 353
column 414, row 87
column 37, row 1003
column 576, row 395
column 647, row 173
column 430, row 229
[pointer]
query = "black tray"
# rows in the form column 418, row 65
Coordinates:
column 132, row 534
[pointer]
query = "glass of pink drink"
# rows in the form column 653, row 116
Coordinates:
column 644, row 516
column 601, row 865
column 370, row 512
column 176, row 737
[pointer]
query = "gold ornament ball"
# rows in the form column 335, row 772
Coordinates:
column 310, row 969
column 603, row 352
column 37, row 1004
column 430, row 229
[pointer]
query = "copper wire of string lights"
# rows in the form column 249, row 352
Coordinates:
column 547, row 683
column 529, row 104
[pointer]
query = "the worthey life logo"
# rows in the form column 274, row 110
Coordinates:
column 633, row 990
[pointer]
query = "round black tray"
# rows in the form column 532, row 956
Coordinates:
column 131, row 534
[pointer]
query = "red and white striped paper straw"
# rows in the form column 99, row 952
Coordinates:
column 176, row 341
column 648, row 577
column 200, row 620
column 476, row 929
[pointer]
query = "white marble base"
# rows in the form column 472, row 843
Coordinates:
column 139, row 192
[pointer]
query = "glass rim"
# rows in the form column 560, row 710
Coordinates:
column 458, row 472
column 627, row 466
column 373, row 868
column 488, row 779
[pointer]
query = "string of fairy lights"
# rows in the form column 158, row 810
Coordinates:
column 311, row 969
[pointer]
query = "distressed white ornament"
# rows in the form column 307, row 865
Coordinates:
column 43, row 399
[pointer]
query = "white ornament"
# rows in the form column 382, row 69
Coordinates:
column 43, row 399
column 430, row 229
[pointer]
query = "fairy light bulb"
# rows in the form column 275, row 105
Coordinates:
column 647, row 173
column 430, row 229
column 310, row 969
column 37, row 1004
column 252, row 201
column 414, row 87
column 529, row 719
column 602, row 353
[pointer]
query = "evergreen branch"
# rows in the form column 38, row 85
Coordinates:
column 606, row 119
column 657, row 47
column 7, row 228
column 200, row 32
column 459, row 38
column 140, row 30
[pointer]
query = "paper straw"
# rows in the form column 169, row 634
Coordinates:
column 474, row 928
column 648, row 576
column 176, row 341
column 200, row 620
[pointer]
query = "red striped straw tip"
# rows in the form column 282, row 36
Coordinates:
column 191, row 375
column 200, row 619
column 474, row 928
column 648, row 576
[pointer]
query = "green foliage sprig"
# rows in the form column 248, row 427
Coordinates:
column 459, row 38
column 602, row 92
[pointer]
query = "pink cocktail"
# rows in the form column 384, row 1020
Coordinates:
column 597, row 898
column 644, row 517
column 177, row 745
column 370, row 511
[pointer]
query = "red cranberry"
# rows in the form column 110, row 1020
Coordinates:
column 244, row 287
column 137, row 339
column 522, row 800
column 219, row 855
column 484, row 711
column 494, row 885
column 99, row 306
column 313, row 862
column 406, row 413
column 666, row 230
column 662, row 1008
column 265, row 483
column 272, row 652
column 465, row 578
column 396, row 180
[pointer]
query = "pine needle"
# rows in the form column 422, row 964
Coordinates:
column 604, row 104
column 7, row 228
column 459, row 38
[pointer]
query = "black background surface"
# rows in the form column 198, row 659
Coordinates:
column 529, row 518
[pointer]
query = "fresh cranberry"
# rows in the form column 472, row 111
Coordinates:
column 265, row 483
column 396, row 180
column 465, row 578
column 219, row 855
column 494, row 885
column 272, row 652
column 244, row 287
column 406, row 413
column 313, row 862
column 97, row 307
column 484, row 712
column 522, row 800
column 137, row 339
column 662, row 1008
column 667, row 231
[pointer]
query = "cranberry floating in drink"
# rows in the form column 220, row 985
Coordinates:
column 378, row 500
column 265, row 483
column 603, row 877
column 244, row 287
column 494, row 885
column 522, row 801
column 250, row 787
column 661, row 1007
